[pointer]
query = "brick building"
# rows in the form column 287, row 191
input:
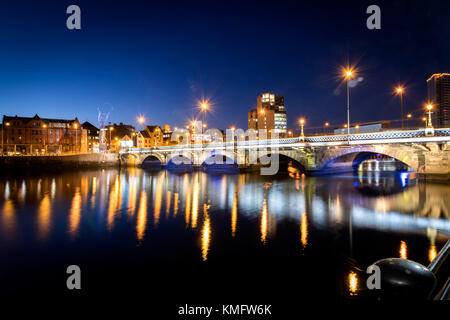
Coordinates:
column 36, row 135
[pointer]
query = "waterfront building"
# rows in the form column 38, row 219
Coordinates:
column 156, row 135
column 167, row 135
column 438, row 86
column 270, row 115
column 36, row 135
column 119, row 136
column 93, row 134
column 151, row 136
column 143, row 139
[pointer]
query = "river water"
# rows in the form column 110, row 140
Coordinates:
column 222, row 236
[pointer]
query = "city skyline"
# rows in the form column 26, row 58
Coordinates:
column 133, row 63
column 198, row 153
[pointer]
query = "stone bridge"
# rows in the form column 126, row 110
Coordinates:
column 424, row 154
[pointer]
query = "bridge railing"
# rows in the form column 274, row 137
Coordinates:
column 308, row 139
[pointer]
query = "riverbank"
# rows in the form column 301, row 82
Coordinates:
column 58, row 162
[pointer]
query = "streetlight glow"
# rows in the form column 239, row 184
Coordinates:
column 429, row 108
column 302, row 123
column 141, row 119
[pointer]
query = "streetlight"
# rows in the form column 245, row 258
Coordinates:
column 110, row 129
column 429, row 108
column 290, row 133
column 302, row 123
column 141, row 120
column 399, row 91
column 76, row 127
column 194, row 125
column 45, row 147
column 348, row 75
column 356, row 128
column 325, row 125
column 6, row 124
column 204, row 107
column 408, row 116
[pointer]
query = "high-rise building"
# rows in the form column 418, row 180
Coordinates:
column 439, row 95
column 269, row 115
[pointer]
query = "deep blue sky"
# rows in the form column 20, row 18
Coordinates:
column 159, row 57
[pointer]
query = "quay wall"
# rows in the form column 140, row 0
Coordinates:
column 87, row 160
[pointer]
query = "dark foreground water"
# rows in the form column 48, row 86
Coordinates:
column 213, row 238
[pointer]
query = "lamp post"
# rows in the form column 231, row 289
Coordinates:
column 348, row 76
column 45, row 145
column 399, row 91
column 204, row 107
column 203, row 128
column 408, row 116
column 302, row 123
column 134, row 139
column 429, row 108
column 325, row 125
column 424, row 119
column 3, row 129
column 110, row 141
column 76, row 141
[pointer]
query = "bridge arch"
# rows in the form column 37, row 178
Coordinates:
column 341, row 158
column 287, row 159
column 152, row 161
column 218, row 156
column 129, row 159
column 156, row 155
column 180, row 158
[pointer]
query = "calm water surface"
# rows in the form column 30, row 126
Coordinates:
column 228, row 236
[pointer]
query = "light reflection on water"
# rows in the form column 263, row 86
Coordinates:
column 133, row 201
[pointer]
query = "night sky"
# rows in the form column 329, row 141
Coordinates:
column 158, row 58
